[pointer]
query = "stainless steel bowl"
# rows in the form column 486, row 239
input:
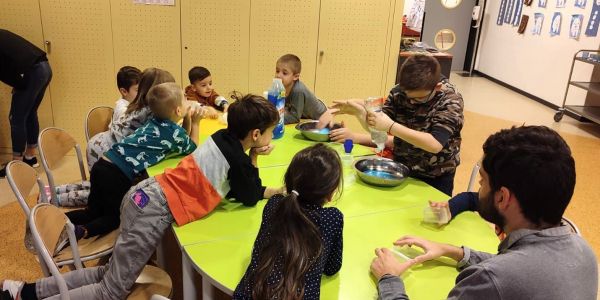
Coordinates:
column 381, row 171
column 309, row 130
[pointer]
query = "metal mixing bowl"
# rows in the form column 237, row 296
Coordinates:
column 380, row 171
column 309, row 130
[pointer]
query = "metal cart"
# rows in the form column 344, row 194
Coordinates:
column 591, row 113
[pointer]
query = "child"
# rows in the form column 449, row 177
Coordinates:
column 299, row 101
column 136, row 115
column 201, row 90
column 218, row 168
column 114, row 173
column 298, row 239
column 128, row 79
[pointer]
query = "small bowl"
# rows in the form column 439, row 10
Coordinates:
column 309, row 130
column 381, row 171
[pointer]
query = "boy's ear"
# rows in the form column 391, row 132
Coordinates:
column 296, row 76
column 123, row 91
column 438, row 86
column 255, row 134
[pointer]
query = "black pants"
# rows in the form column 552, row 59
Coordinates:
column 444, row 183
column 108, row 186
column 24, row 125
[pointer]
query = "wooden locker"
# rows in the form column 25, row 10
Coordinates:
column 278, row 28
column 353, row 37
column 146, row 36
column 215, row 35
column 81, row 55
column 23, row 18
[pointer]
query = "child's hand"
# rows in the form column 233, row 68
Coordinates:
column 211, row 112
column 264, row 150
column 348, row 107
column 379, row 121
column 341, row 134
column 326, row 119
column 197, row 114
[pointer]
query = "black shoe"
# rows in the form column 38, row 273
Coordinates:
column 32, row 162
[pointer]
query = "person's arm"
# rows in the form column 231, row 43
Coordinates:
column 294, row 109
column 387, row 270
column 194, row 131
column 419, row 139
column 432, row 250
column 475, row 282
column 391, row 287
column 467, row 201
column 334, row 260
column 246, row 186
column 352, row 107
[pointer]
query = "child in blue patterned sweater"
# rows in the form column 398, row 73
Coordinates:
column 125, row 162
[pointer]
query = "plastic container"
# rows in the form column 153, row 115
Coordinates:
column 375, row 105
column 436, row 215
column 347, row 162
column 276, row 95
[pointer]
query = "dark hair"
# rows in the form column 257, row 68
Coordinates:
column 293, row 61
column 164, row 98
column 535, row 164
column 419, row 72
column 197, row 74
column 295, row 242
column 150, row 78
column 128, row 76
column 250, row 112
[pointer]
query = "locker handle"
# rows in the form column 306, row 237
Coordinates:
column 48, row 46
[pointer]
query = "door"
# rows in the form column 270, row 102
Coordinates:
column 278, row 28
column 353, row 37
column 22, row 18
column 146, row 36
column 215, row 35
column 80, row 52
column 446, row 26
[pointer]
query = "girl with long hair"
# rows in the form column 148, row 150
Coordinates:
column 299, row 239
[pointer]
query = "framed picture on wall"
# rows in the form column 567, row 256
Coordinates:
column 575, row 28
column 560, row 3
column 555, row 24
column 592, row 27
column 538, row 21
column 580, row 3
column 542, row 3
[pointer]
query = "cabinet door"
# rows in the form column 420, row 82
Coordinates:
column 23, row 18
column 278, row 28
column 146, row 36
column 353, row 37
column 215, row 36
column 81, row 56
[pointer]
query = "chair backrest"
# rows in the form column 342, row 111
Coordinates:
column 22, row 178
column 473, row 177
column 97, row 120
column 47, row 222
column 53, row 145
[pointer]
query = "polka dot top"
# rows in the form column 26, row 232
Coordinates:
column 330, row 222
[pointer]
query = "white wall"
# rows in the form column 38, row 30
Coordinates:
column 537, row 64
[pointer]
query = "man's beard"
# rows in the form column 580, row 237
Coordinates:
column 489, row 212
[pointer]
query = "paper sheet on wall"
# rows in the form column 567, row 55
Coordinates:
column 538, row 21
column 502, row 12
column 542, row 3
column 155, row 2
column 555, row 24
column 592, row 28
column 580, row 3
column 575, row 27
column 516, row 18
column 560, row 3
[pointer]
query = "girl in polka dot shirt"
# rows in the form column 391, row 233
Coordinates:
column 299, row 239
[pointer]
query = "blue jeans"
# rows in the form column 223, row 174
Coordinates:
column 444, row 183
column 24, row 125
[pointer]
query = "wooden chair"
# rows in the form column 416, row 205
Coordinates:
column 97, row 120
column 47, row 221
column 571, row 225
column 473, row 177
column 53, row 145
column 22, row 178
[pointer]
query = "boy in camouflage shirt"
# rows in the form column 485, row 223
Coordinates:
column 425, row 116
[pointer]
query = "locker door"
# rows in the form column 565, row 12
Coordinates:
column 215, row 36
column 22, row 18
column 353, row 38
column 278, row 28
column 81, row 54
column 146, row 36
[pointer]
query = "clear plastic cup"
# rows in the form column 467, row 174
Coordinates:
column 436, row 215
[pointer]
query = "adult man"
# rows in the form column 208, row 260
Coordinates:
column 527, row 180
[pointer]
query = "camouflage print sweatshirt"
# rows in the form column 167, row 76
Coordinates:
column 442, row 117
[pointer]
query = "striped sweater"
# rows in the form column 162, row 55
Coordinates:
column 218, row 169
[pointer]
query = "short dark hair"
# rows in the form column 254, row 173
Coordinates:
column 198, row 73
column 128, row 76
column 293, row 61
column 420, row 72
column 250, row 112
column 535, row 164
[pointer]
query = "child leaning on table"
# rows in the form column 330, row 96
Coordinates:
column 299, row 239
column 217, row 169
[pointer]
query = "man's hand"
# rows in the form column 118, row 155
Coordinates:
column 387, row 263
column 432, row 250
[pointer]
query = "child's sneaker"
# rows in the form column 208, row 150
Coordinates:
column 31, row 161
column 11, row 289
